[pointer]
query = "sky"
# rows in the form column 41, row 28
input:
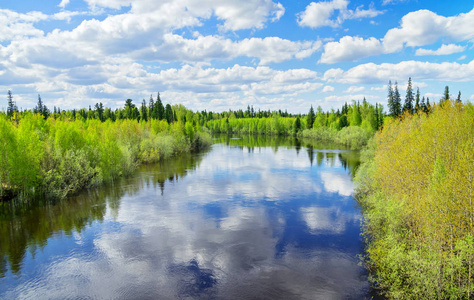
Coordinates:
column 226, row 54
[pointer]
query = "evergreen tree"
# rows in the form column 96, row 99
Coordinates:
column 99, row 111
column 428, row 105
column 446, row 94
column 169, row 114
column 151, row 108
column 143, row 111
column 310, row 118
column 423, row 105
column 39, row 107
column 458, row 100
column 397, row 101
column 409, row 98
column 160, row 109
column 11, row 108
column 417, row 101
column 297, row 125
column 390, row 100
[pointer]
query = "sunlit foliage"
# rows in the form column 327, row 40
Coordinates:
column 416, row 188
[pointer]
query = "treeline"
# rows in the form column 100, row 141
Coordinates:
column 60, row 153
column 416, row 189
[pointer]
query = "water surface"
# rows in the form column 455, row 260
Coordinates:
column 251, row 218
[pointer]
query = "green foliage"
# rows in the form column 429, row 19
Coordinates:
column 416, row 187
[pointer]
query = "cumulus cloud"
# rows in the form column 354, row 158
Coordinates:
column 349, row 49
column 63, row 3
column 354, row 89
column 443, row 50
column 328, row 89
column 378, row 73
column 319, row 14
column 424, row 27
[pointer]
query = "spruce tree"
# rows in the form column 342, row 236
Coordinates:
column 408, row 107
column 11, row 104
column 143, row 111
column 446, row 93
column 169, row 114
column 160, row 109
column 397, row 101
column 417, row 101
column 390, row 100
column 310, row 118
column 458, row 100
column 151, row 108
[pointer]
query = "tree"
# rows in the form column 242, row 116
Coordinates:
column 11, row 108
column 409, row 98
column 310, row 118
column 297, row 125
column 356, row 119
column 446, row 94
column 99, row 111
column 417, row 101
column 160, row 109
column 151, row 108
column 169, row 113
column 390, row 100
column 143, row 112
column 458, row 100
column 397, row 102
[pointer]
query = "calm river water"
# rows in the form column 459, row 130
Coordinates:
column 252, row 218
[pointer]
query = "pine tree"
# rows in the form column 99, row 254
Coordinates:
column 397, row 101
column 408, row 107
column 310, row 118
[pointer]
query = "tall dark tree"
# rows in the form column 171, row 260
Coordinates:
column 151, row 108
column 297, row 125
column 310, row 118
column 417, row 101
column 428, row 105
column 408, row 106
column 160, row 109
column 423, row 105
column 458, row 100
column 390, row 99
column 131, row 111
column 143, row 111
column 397, row 100
column 99, row 111
column 446, row 94
column 11, row 108
column 169, row 114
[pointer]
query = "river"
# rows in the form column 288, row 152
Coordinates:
column 251, row 218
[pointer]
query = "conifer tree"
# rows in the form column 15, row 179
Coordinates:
column 168, row 113
column 409, row 98
column 390, row 100
column 397, row 101
column 143, row 111
column 417, row 101
column 310, row 118
column 458, row 100
column 11, row 108
column 151, row 108
column 446, row 94
column 160, row 109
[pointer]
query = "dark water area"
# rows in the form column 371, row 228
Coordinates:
column 252, row 218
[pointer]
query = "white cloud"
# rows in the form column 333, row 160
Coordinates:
column 463, row 57
column 443, row 50
column 328, row 89
column 63, row 3
column 354, row 89
column 319, row 14
column 374, row 73
column 424, row 27
column 349, row 49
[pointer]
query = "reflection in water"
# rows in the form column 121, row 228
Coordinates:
column 249, row 219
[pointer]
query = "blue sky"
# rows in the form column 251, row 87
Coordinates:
column 227, row 54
